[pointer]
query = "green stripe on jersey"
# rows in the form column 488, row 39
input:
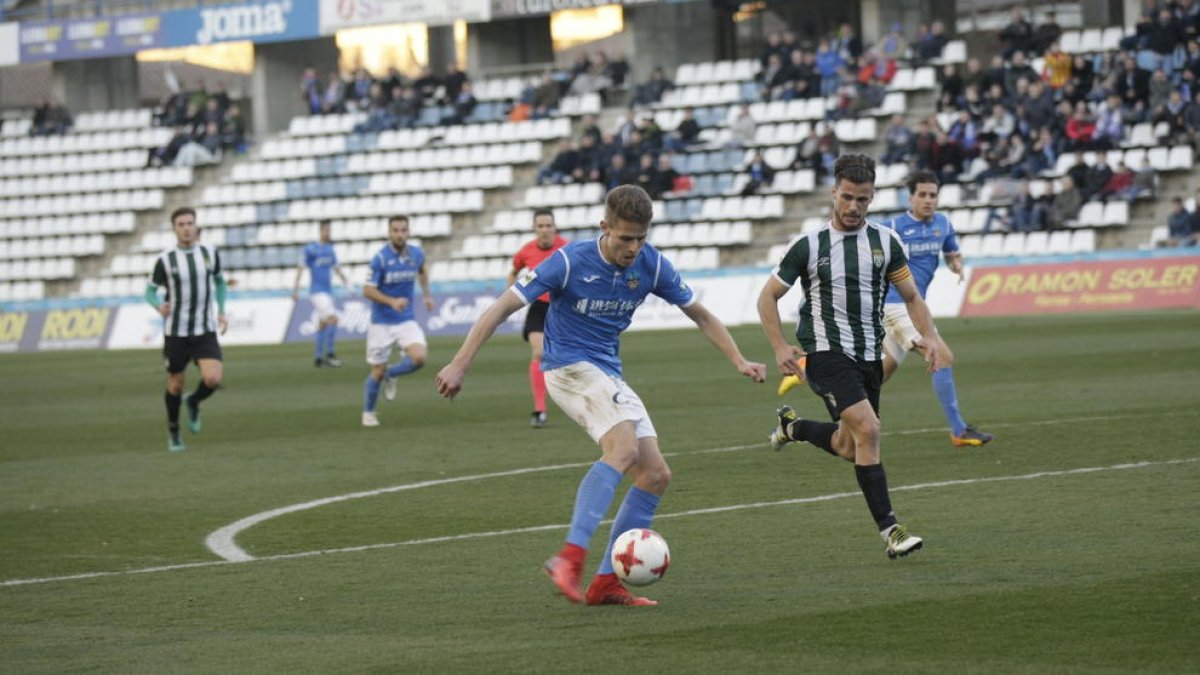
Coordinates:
column 850, row 245
column 825, row 276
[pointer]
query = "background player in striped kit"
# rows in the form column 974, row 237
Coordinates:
column 191, row 273
column 844, row 270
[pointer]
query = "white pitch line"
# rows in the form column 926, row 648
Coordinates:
column 542, row 528
column 222, row 542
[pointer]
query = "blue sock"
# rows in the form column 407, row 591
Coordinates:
column 371, row 394
column 636, row 511
column 404, row 367
column 943, row 386
column 595, row 495
column 319, row 343
column 330, row 336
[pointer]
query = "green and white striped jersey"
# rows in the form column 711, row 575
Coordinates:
column 189, row 275
column 844, row 276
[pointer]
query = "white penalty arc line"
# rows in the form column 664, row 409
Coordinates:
column 543, row 528
column 222, row 542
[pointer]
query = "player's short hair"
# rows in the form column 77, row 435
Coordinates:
column 182, row 211
column 396, row 217
column 543, row 212
column 629, row 203
column 325, row 222
column 854, row 168
column 923, row 176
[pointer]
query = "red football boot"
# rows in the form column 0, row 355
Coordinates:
column 565, row 570
column 607, row 589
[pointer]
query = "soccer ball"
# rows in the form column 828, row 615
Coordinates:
column 640, row 557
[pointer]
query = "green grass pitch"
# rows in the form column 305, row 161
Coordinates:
column 1030, row 565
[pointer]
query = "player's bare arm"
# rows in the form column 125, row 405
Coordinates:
column 296, row 285
column 918, row 311
column 786, row 354
column 450, row 378
column 718, row 334
column 423, row 279
column 954, row 261
column 375, row 295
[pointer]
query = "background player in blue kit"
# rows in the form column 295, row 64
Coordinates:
column 595, row 285
column 320, row 259
column 395, row 271
column 927, row 235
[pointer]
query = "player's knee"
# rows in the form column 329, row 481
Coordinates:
column 418, row 360
column 655, row 479
column 212, row 381
column 947, row 357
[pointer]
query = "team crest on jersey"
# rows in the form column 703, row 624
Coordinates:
column 877, row 257
column 633, row 279
column 528, row 277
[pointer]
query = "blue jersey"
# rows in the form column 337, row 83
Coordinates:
column 925, row 243
column 395, row 275
column 592, row 301
column 320, row 260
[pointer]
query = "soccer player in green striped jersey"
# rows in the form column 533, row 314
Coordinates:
column 193, row 310
column 845, row 269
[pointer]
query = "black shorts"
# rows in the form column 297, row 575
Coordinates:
column 179, row 351
column 535, row 318
column 842, row 381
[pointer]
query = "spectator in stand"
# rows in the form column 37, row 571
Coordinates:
column 1057, row 71
column 1132, row 83
column 52, row 119
column 1120, row 185
column 1098, row 175
column 588, row 127
column 974, row 75
column 1078, row 170
column 1083, row 73
column 379, row 116
column 667, row 181
column 406, row 106
column 1145, row 181
column 1191, row 120
column 426, row 83
column 1000, row 124
column 923, row 142
column 1172, row 113
column 165, row 155
column 618, row 173
column 212, row 140
column 1066, row 205
column 587, row 162
column 829, row 65
column 1110, row 123
column 996, row 74
column 453, row 83
column 1038, row 103
column 741, row 130
column 1159, row 90
column 760, row 173
column 1046, row 34
column 618, row 70
column 848, row 44
column 973, row 103
column 652, row 134
column 651, row 92
column 546, row 97
column 893, row 45
column 1179, row 225
column 562, row 166
column 876, row 69
column 897, row 141
column 647, row 176
column 1017, row 36
column 593, row 79
column 773, row 77
column 952, row 89
column 687, row 133
column 1017, row 70
column 968, row 133
column 946, row 158
column 1026, row 213
column 333, row 99
column 1043, row 155
column 1165, row 36
column 774, row 41
column 463, row 104
column 626, row 127
column 1081, row 129
column 931, row 46
column 606, row 149
column 358, row 93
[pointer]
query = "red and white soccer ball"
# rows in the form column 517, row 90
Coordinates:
column 640, row 557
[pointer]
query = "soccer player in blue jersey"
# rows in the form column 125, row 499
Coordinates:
column 927, row 235
column 320, row 259
column 395, row 271
column 595, row 285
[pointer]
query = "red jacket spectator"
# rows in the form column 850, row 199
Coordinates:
column 1080, row 128
column 882, row 69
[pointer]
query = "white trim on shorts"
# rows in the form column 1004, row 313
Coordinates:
column 900, row 333
column 596, row 400
column 323, row 305
column 381, row 337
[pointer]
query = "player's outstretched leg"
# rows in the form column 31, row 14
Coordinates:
column 370, row 400
column 193, row 401
column 174, row 437
column 961, row 433
column 637, row 511
column 897, row 542
column 404, row 367
column 537, row 384
column 592, row 499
